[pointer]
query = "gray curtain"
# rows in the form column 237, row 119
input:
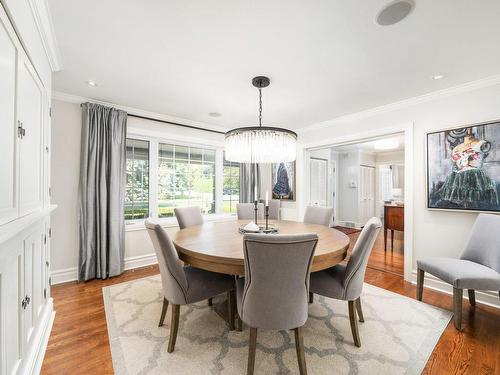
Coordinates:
column 102, row 187
column 249, row 177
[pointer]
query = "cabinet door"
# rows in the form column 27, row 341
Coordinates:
column 32, row 247
column 11, row 279
column 8, row 128
column 29, row 111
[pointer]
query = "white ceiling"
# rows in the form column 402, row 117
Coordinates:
column 325, row 58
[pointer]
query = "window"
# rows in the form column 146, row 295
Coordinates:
column 137, row 171
column 231, row 187
column 186, row 177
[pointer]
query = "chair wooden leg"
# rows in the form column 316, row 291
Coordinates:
column 311, row 297
column 231, row 303
column 385, row 239
column 174, row 326
column 210, row 302
column 360, row 310
column 354, row 323
column 163, row 312
column 420, row 283
column 239, row 323
column 252, row 347
column 301, row 355
column 457, row 307
column 472, row 297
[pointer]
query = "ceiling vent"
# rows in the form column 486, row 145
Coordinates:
column 395, row 12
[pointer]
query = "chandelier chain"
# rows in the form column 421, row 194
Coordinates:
column 260, row 107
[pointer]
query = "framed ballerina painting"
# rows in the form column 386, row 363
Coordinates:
column 463, row 168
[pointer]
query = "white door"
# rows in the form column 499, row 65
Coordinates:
column 29, row 104
column 318, row 182
column 8, row 128
column 366, row 194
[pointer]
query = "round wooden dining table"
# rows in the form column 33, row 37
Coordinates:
column 218, row 246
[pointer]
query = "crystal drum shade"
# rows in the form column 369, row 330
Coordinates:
column 260, row 144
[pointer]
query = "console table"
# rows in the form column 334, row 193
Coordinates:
column 394, row 219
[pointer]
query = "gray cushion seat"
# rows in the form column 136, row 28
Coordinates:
column 461, row 273
column 345, row 281
column 273, row 294
column 185, row 285
column 205, row 284
column 478, row 267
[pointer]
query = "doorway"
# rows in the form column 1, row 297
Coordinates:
column 368, row 181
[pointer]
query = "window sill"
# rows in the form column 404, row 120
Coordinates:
column 171, row 222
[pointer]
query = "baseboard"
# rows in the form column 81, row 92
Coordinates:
column 71, row 274
column 140, row 261
column 348, row 224
column 432, row 282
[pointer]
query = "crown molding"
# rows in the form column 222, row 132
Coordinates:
column 45, row 26
column 466, row 87
column 64, row 97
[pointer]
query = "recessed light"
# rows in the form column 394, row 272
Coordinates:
column 91, row 83
column 214, row 114
column 395, row 12
column 386, row 144
column 437, row 76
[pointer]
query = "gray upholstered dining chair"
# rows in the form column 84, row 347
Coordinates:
column 274, row 209
column 185, row 285
column 319, row 215
column 345, row 281
column 246, row 211
column 478, row 267
column 188, row 216
column 273, row 293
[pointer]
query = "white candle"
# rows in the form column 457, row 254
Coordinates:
column 255, row 192
column 267, row 198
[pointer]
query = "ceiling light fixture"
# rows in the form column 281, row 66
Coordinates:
column 260, row 144
column 91, row 83
column 395, row 12
column 386, row 144
column 437, row 76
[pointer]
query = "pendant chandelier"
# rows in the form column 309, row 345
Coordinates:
column 260, row 144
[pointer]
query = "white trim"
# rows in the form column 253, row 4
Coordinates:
column 140, row 261
column 45, row 27
column 432, row 282
column 450, row 91
column 71, row 274
column 61, row 96
column 407, row 129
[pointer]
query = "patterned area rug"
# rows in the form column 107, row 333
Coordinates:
column 397, row 337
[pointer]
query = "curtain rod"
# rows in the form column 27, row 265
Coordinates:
column 175, row 123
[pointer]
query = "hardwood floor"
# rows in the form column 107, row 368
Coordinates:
column 389, row 261
column 79, row 340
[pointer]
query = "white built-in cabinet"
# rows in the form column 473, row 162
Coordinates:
column 26, row 311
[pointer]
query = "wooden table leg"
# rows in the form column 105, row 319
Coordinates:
column 385, row 239
column 392, row 240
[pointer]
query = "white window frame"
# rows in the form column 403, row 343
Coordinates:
column 154, row 141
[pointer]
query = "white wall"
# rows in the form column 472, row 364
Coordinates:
column 436, row 233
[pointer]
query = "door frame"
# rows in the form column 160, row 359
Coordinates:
column 303, row 155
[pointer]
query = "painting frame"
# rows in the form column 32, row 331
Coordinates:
column 429, row 179
column 290, row 167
